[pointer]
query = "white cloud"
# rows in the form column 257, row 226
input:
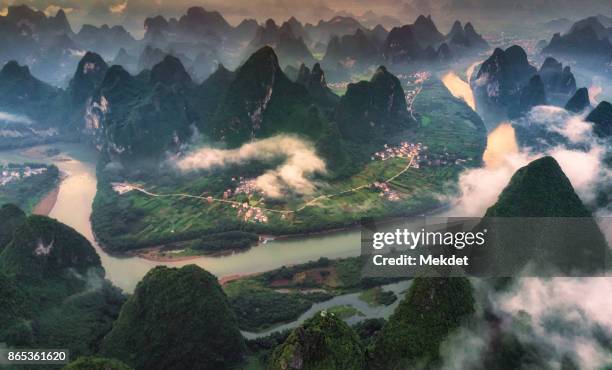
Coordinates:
column 300, row 163
column 118, row 8
column 14, row 118
column 578, row 303
column 480, row 187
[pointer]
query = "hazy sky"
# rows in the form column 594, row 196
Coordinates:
column 132, row 12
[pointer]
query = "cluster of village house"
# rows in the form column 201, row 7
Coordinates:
column 386, row 192
column 10, row 174
column 247, row 213
column 248, row 186
column 245, row 186
column 403, row 150
column 122, row 187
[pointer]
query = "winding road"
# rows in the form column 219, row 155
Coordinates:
column 129, row 187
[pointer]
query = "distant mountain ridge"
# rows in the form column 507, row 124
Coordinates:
column 422, row 41
column 588, row 41
column 507, row 83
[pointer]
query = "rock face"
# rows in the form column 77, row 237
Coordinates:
column 210, row 94
column 315, row 84
column 104, row 39
column 196, row 24
column 579, row 101
column 473, row 37
column 149, row 57
column 20, row 92
column 338, row 26
column 507, row 83
column 588, row 40
column 531, row 95
column 42, row 247
column 322, row 342
column 465, row 36
column 372, row 106
column 426, row 31
column 262, row 101
column 601, row 117
column 87, row 78
column 423, row 41
column 51, row 279
column 291, row 49
column 402, row 45
column 245, row 30
column 431, row 310
column 139, row 118
column 170, row 71
column 557, row 80
column 357, row 48
column 176, row 319
column 125, row 59
column 502, row 76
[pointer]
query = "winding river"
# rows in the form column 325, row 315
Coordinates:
column 73, row 207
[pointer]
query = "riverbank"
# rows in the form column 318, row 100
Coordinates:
column 161, row 253
column 46, row 204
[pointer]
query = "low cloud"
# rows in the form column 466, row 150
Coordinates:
column 565, row 314
column 118, row 8
column 294, row 174
column 14, row 118
column 480, row 187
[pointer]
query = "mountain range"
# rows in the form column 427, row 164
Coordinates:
column 202, row 39
column 53, row 286
column 507, row 83
column 422, row 41
column 588, row 41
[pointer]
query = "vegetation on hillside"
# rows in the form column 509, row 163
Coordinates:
column 176, row 319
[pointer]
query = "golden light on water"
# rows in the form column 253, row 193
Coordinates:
column 500, row 142
column 459, row 88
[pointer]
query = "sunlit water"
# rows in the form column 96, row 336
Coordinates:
column 459, row 88
column 500, row 143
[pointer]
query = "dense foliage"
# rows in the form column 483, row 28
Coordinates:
column 96, row 363
column 565, row 237
column 323, row 342
column 432, row 309
column 176, row 319
column 53, row 288
column 26, row 192
column 11, row 217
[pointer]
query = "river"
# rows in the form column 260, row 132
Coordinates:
column 352, row 299
column 73, row 207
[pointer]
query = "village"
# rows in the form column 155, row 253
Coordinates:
column 11, row 172
column 247, row 199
